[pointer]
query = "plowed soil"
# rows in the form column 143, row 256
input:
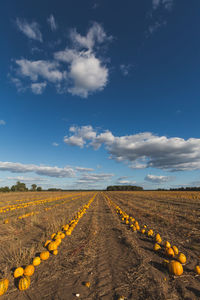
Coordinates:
column 116, row 261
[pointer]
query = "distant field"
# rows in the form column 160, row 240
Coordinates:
column 100, row 247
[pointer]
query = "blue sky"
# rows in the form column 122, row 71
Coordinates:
column 95, row 93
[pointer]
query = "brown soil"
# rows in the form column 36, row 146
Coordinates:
column 116, row 261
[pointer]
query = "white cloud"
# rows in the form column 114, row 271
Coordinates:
column 166, row 4
column 40, row 68
column 82, row 169
column 93, row 178
column 126, row 182
column 143, row 149
column 40, row 170
column 95, row 35
column 31, row 30
column 38, row 88
column 86, row 72
column 28, row 179
column 52, row 23
column 125, row 69
column 2, row 122
column 157, row 179
column 55, row 144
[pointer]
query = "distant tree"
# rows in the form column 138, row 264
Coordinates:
column 33, row 187
column 19, row 187
column 39, row 188
column 124, row 188
column 4, row 189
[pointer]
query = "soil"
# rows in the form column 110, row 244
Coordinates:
column 114, row 260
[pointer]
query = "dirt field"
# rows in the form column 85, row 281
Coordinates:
column 102, row 249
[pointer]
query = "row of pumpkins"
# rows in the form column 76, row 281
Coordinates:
column 23, row 274
column 33, row 213
column 31, row 203
column 175, row 266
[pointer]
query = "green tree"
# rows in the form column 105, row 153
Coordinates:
column 34, row 186
column 39, row 188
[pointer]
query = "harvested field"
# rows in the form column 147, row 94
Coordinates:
column 102, row 257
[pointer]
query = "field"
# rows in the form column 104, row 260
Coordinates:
column 100, row 255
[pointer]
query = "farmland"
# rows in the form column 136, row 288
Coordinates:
column 104, row 242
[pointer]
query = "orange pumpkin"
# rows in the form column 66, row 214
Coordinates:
column 197, row 270
column 175, row 268
column 36, row 261
column 182, row 258
column 44, row 255
column 29, row 270
column 55, row 252
column 167, row 244
column 18, row 272
column 24, row 283
column 52, row 246
column 3, row 286
column 176, row 251
column 156, row 247
column 169, row 252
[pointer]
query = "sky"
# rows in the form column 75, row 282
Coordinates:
column 96, row 93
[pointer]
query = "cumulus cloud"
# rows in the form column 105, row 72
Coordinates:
column 52, row 22
column 77, row 70
column 2, row 122
column 86, row 72
column 31, row 30
column 40, row 68
column 66, row 172
column 157, row 179
column 141, row 150
column 38, row 88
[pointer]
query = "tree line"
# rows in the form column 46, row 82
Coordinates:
column 124, row 188
column 20, row 187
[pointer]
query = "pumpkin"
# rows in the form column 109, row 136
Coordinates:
column 3, row 286
column 127, row 222
column 18, row 272
column 58, row 241
column 134, row 228
column 6, row 221
column 169, row 252
column 158, row 238
column 36, row 261
column 55, row 252
column 29, row 270
column 150, row 232
column 69, row 232
column 44, row 255
column 87, row 284
column 197, row 270
column 52, row 246
column 176, row 251
column 62, row 235
column 52, row 236
column 165, row 263
column 156, row 247
column 137, row 227
column 167, row 244
column 175, row 268
column 24, row 283
column 182, row 258
column 143, row 231
column 47, row 243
